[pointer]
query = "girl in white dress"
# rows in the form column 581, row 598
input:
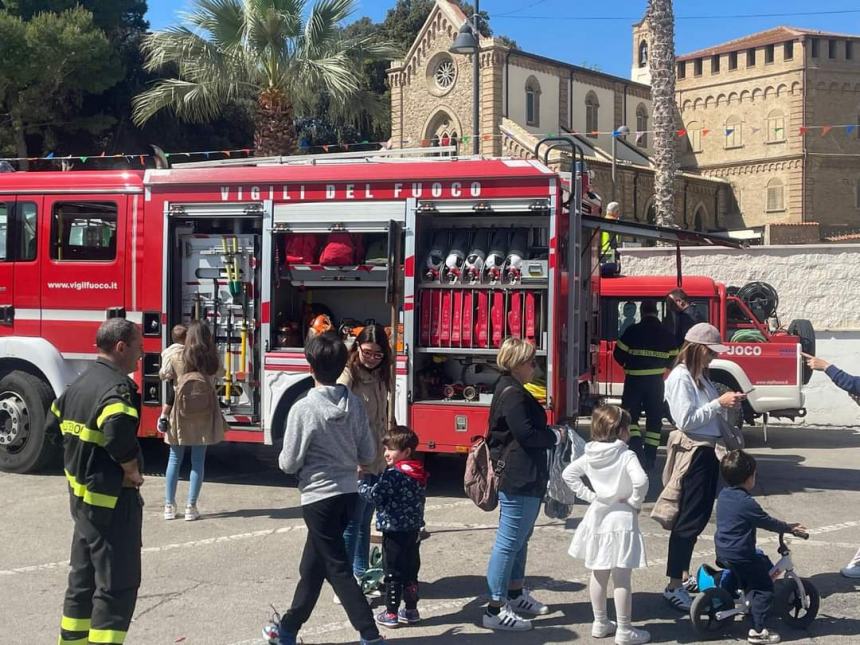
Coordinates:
column 608, row 538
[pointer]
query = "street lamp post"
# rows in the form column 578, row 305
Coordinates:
column 621, row 131
column 468, row 42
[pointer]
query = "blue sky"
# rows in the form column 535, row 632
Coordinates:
column 598, row 33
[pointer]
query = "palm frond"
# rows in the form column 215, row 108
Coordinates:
column 224, row 20
column 323, row 22
column 190, row 101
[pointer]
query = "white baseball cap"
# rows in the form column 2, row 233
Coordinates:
column 706, row 334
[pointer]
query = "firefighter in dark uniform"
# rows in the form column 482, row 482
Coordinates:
column 98, row 416
column 645, row 351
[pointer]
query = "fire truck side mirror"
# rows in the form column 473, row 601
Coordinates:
column 115, row 312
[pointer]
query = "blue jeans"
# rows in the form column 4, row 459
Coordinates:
column 517, row 517
column 357, row 537
column 171, row 477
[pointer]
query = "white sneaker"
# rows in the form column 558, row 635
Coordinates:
column 763, row 637
column 851, row 571
column 170, row 511
column 191, row 513
column 527, row 604
column 679, row 598
column 632, row 636
column 604, row 629
column 506, row 620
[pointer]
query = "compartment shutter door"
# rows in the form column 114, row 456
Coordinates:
column 216, row 211
column 322, row 217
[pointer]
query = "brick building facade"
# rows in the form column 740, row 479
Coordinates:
column 743, row 105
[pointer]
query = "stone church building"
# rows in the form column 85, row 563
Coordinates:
column 741, row 106
column 524, row 97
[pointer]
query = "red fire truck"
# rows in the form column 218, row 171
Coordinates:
column 452, row 254
column 763, row 359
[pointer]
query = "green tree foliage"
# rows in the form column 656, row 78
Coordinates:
column 266, row 52
column 49, row 64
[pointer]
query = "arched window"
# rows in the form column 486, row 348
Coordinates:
column 734, row 132
column 592, row 114
column 532, row 102
column 694, row 136
column 642, row 125
column 442, row 130
column 700, row 218
column 775, row 196
column 643, row 54
column 775, row 126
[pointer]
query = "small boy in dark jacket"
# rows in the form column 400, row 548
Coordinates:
column 738, row 517
column 398, row 495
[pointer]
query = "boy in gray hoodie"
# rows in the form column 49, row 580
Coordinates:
column 326, row 439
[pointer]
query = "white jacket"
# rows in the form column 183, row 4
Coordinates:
column 694, row 410
column 614, row 472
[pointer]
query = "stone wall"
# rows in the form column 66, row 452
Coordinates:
column 816, row 282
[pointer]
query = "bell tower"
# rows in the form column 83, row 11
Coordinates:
column 640, row 70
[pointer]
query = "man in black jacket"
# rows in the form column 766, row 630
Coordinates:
column 645, row 351
column 98, row 416
column 680, row 315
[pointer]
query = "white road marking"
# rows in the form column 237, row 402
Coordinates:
column 450, row 525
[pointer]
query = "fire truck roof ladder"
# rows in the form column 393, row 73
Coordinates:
column 434, row 153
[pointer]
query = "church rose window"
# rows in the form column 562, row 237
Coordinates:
column 445, row 74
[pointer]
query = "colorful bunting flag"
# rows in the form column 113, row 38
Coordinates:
column 849, row 129
column 756, row 130
column 803, row 130
column 729, row 131
column 825, row 130
column 705, row 132
column 682, row 132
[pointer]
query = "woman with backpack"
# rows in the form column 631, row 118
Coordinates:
column 368, row 376
column 519, row 438
column 195, row 420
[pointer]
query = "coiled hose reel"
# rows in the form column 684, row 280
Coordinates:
column 761, row 298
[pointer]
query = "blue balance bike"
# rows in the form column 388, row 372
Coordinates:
column 720, row 600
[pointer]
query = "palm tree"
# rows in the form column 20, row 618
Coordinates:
column 262, row 53
column 661, row 21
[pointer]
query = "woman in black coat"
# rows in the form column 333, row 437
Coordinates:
column 518, row 442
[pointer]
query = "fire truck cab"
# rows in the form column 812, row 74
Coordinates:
column 765, row 362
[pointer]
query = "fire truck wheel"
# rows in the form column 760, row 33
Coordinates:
column 806, row 332
column 24, row 402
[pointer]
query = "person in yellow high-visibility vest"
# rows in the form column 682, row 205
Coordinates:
column 609, row 265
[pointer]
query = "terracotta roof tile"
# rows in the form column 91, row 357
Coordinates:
column 759, row 39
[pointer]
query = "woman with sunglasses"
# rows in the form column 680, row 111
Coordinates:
column 368, row 376
column 695, row 405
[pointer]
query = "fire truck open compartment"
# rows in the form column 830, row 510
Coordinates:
column 216, row 256
column 483, row 276
column 334, row 261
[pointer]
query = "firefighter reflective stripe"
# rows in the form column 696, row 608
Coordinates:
column 652, row 439
column 115, row 408
column 75, row 641
column 634, row 432
column 89, row 497
column 649, row 372
column 647, row 353
column 82, row 432
column 75, row 624
column 112, row 636
column 56, row 411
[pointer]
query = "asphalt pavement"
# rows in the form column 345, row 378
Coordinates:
column 212, row 581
